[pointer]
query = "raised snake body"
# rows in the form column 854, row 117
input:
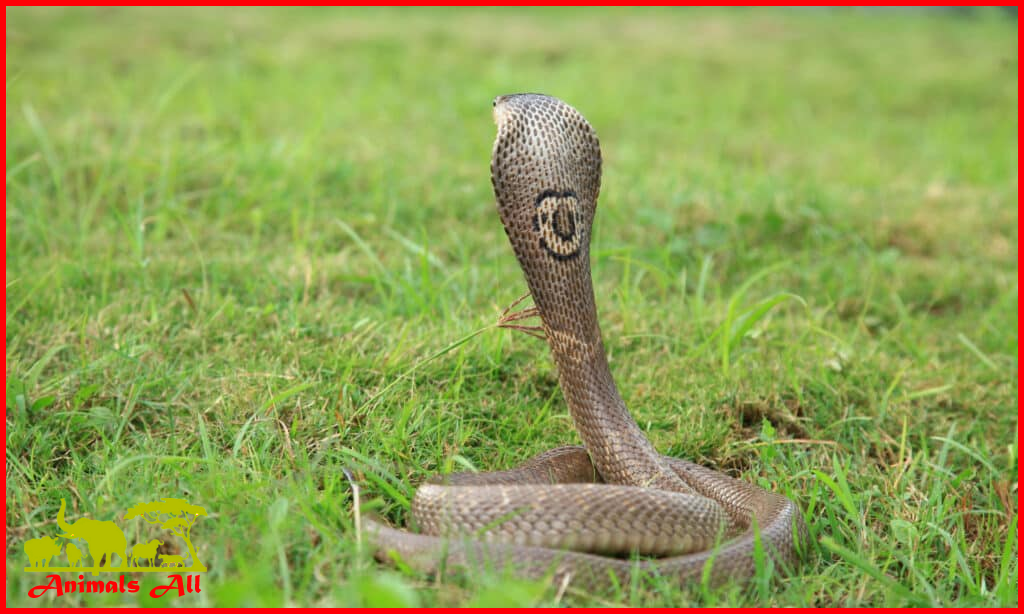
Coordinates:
column 576, row 511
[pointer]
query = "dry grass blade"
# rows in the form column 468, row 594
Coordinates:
column 508, row 317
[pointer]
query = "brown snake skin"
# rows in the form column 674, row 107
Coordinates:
column 575, row 512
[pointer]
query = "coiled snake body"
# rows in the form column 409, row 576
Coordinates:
column 577, row 511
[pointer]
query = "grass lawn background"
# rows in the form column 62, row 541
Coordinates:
column 243, row 247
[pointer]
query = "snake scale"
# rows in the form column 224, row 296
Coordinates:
column 579, row 512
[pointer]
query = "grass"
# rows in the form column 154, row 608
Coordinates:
column 247, row 249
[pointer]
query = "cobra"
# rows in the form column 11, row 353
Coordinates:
column 583, row 513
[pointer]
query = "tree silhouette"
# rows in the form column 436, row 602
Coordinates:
column 174, row 515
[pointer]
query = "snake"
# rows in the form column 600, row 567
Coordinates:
column 590, row 515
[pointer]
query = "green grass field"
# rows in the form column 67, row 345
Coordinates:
column 249, row 248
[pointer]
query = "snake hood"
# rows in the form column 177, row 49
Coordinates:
column 546, row 174
column 541, row 132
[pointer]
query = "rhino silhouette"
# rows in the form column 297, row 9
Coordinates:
column 40, row 550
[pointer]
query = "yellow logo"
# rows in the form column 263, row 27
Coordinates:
column 101, row 546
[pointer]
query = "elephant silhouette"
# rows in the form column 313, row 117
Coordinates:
column 40, row 550
column 145, row 552
column 74, row 555
column 103, row 537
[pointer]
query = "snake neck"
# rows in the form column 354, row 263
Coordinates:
column 620, row 451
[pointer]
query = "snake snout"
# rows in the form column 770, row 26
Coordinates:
column 499, row 108
column 503, row 103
